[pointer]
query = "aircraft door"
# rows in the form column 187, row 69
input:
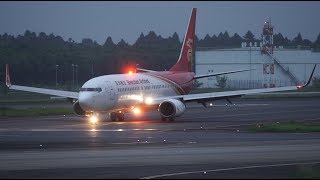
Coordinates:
column 110, row 91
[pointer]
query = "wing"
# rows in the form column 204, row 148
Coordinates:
column 67, row 94
column 222, row 95
column 229, row 94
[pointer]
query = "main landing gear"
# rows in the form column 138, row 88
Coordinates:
column 169, row 119
column 117, row 115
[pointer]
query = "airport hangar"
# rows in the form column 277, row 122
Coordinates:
column 284, row 67
column 273, row 65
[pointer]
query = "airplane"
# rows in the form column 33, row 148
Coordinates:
column 165, row 91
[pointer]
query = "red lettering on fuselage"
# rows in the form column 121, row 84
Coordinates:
column 131, row 82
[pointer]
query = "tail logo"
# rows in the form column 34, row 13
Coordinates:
column 8, row 83
column 7, row 80
column 190, row 53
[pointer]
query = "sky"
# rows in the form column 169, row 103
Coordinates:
column 127, row 19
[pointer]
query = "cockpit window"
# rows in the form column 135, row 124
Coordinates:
column 91, row 89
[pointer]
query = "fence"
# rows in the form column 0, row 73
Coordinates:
column 256, row 84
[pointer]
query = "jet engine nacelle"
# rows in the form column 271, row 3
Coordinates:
column 77, row 109
column 172, row 108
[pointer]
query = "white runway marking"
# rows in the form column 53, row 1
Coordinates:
column 219, row 105
column 228, row 105
column 95, row 130
column 227, row 169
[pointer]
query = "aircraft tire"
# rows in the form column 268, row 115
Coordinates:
column 120, row 116
column 113, row 116
column 171, row 119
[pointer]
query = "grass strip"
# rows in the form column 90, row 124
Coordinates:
column 306, row 172
column 31, row 112
column 291, row 126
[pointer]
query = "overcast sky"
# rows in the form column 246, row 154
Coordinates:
column 98, row 20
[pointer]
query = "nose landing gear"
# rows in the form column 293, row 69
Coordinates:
column 117, row 115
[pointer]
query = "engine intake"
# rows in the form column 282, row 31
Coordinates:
column 77, row 109
column 172, row 108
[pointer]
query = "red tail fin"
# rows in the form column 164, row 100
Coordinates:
column 8, row 83
column 184, row 62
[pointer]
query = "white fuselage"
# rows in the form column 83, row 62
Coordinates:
column 122, row 91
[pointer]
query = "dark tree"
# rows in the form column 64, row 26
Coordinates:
column 278, row 40
column 122, row 44
column 175, row 37
column 236, row 40
column 318, row 40
column 297, row 40
column 109, row 43
column 249, row 36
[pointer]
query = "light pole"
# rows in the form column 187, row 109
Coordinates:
column 76, row 75
column 91, row 68
column 57, row 75
column 250, row 84
column 72, row 75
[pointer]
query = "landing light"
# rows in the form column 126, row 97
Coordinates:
column 130, row 72
column 148, row 100
column 136, row 111
column 93, row 119
column 136, row 97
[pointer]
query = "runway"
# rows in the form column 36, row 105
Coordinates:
column 203, row 143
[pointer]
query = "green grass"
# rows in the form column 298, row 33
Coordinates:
column 306, row 172
column 268, row 96
column 31, row 112
column 310, row 89
column 286, row 127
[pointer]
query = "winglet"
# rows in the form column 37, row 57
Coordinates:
column 302, row 86
column 8, row 83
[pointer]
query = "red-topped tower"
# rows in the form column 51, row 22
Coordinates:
column 267, row 49
column 267, row 38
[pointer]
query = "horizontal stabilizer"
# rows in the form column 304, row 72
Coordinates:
column 217, row 74
column 145, row 70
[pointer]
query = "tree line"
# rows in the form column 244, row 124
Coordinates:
column 42, row 59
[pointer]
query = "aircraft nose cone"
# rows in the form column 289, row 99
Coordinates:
column 86, row 101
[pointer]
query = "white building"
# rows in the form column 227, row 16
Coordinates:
column 267, row 72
